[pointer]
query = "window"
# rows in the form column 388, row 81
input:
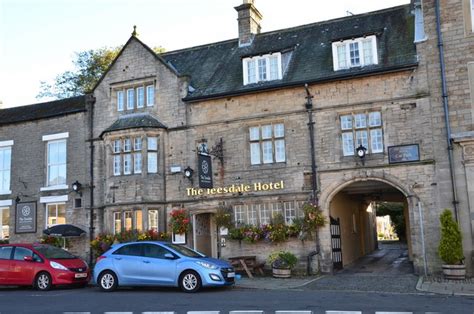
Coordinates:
column 262, row 214
column 117, row 145
column 5, row 252
column 120, row 101
column 131, row 157
column 262, row 68
column 152, row 154
column 137, row 144
column 362, row 129
column 117, row 222
column 5, row 166
column 5, row 226
column 130, row 99
column 140, row 97
column 127, row 164
column 154, row 251
column 472, row 15
column 267, row 144
column 21, row 252
column 128, row 220
column 127, row 145
column 150, row 95
column 56, row 159
column 117, row 165
column 354, row 52
column 138, row 220
column 130, row 249
column 137, row 163
column 55, row 214
column 153, row 219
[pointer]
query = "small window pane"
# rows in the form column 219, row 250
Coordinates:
column 254, row 133
column 150, row 95
column 360, row 121
column 128, row 221
column 279, row 130
column 274, row 68
column 152, row 143
column 152, row 162
column 346, row 122
column 266, row 131
column 127, row 145
column 290, row 212
column 239, row 214
column 137, row 163
column 120, row 100
column 255, row 153
column 368, row 55
column 252, row 215
column 139, row 220
column 140, row 97
column 262, row 69
column 375, row 119
column 280, row 155
column 117, row 165
column 267, row 148
column 153, row 219
column 117, row 222
column 117, row 144
column 341, row 57
column 127, row 164
column 251, row 77
column 362, row 139
column 130, row 99
column 347, row 144
column 264, row 214
column 137, row 143
column 376, row 141
column 354, row 53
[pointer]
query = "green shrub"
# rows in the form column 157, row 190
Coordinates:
column 282, row 260
column 450, row 245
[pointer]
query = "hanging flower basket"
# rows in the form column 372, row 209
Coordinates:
column 179, row 221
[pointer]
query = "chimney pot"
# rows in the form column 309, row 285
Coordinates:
column 249, row 19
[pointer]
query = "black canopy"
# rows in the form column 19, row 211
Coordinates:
column 64, row 230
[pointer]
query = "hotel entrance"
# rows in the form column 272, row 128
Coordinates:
column 205, row 234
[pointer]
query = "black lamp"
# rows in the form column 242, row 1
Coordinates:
column 76, row 187
column 361, row 151
column 188, row 172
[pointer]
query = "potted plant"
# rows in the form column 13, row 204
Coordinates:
column 282, row 262
column 450, row 247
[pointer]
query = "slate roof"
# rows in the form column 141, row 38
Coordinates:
column 43, row 110
column 133, row 121
column 216, row 69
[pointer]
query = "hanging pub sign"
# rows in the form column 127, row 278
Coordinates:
column 205, row 171
column 25, row 218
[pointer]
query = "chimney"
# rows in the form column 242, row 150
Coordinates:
column 249, row 22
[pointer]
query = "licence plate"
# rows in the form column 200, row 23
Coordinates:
column 81, row 275
column 230, row 275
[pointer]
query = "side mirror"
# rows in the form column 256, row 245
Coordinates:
column 28, row 258
column 169, row 256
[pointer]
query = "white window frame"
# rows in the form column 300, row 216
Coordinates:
column 48, row 165
column 346, row 43
column 6, row 167
column 140, row 100
column 150, row 95
column 153, row 214
column 239, row 214
column 137, row 163
column 130, row 99
column 4, row 228
column 47, row 213
column 120, row 100
column 116, row 215
column 117, row 165
column 127, row 164
column 258, row 147
column 472, row 15
column 152, row 154
column 254, row 61
column 137, row 144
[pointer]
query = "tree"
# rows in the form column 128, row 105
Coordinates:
column 395, row 211
column 89, row 66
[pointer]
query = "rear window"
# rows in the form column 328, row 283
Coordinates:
column 5, row 252
column 52, row 252
column 131, row 249
column 184, row 250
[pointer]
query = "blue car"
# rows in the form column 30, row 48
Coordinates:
column 155, row 263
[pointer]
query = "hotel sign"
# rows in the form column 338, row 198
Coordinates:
column 236, row 188
column 205, row 171
column 25, row 218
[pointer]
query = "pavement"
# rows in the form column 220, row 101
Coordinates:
column 386, row 270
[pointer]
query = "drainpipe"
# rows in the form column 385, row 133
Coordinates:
column 423, row 249
column 444, row 91
column 314, row 187
column 90, row 100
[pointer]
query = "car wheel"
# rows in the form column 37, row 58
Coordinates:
column 43, row 281
column 189, row 281
column 108, row 281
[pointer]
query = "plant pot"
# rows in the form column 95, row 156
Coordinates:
column 281, row 272
column 454, row 272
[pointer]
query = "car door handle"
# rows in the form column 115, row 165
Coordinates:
column 146, row 262
column 118, row 258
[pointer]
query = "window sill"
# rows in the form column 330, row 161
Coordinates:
column 55, row 187
column 5, row 192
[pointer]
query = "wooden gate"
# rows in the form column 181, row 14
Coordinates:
column 336, row 243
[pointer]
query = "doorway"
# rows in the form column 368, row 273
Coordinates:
column 205, row 234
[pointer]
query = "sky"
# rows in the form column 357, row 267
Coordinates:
column 39, row 38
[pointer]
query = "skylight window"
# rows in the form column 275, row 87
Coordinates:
column 357, row 52
column 262, row 68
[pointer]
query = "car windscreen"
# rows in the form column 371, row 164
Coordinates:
column 183, row 250
column 52, row 252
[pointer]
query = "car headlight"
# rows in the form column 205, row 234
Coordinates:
column 207, row 265
column 57, row 266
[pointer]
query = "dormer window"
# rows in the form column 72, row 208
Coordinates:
column 262, row 68
column 357, row 52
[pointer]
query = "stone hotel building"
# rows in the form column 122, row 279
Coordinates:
column 283, row 115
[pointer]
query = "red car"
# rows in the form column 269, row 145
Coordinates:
column 41, row 266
